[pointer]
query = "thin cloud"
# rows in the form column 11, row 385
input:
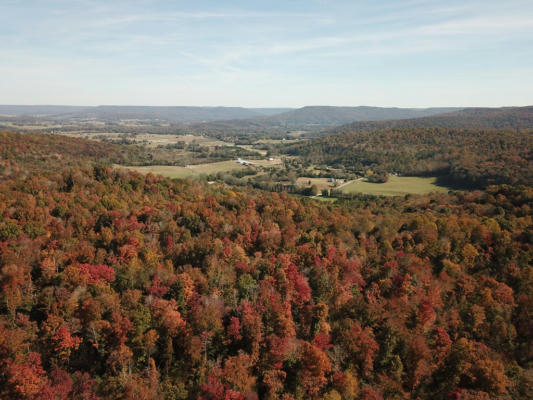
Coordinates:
column 174, row 16
column 487, row 25
column 100, row 47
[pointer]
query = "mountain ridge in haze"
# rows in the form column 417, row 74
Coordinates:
column 467, row 118
column 334, row 114
column 313, row 118
column 116, row 112
column 320, row 116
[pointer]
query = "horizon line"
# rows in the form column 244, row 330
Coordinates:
column 252, row 107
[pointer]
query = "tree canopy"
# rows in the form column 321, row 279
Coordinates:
column 116, row 285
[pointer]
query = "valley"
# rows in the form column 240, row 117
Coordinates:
column 304, row 246
column 281, row 200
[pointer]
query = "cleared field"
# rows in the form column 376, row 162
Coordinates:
column 157, row 140
column 37, row 126
column 276, row 162
column 251, row 148
column 189, row 171
column 396, row 186
column 172, row 171
column 165, row 170
column 321, row 183
column 278, row 141
column 213, row 168
column 151, row 139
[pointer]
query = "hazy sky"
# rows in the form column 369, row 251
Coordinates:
column 267, row 53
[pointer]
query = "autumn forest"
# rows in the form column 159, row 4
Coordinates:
column 117, row 285
column 266, row 200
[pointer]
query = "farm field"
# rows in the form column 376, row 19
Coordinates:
column 396, row 186
column 321, row 183
column 172, row 171
column 276, row 162
column 36, row 126
column 151, row 139
column 157, row 139
column 251, row 148
column 277, row 141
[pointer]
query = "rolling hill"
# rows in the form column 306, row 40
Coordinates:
column 117, row 285
column 38, row 110
column 473, row 148
column 468, row 118
column 115, row 113
column 329, row 115
column 312, row 118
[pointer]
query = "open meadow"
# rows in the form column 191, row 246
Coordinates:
column 172, row 171
column 320, row 183
column 396, row 186
column 150, row 139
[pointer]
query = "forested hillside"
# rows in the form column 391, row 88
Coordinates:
column 168, row 114
column 471, row 158
column 114, row 113
column 330, row 115
column 116, row 285
column 38, row 152
column 504, row 118
column 311, row 119
column 38, row 111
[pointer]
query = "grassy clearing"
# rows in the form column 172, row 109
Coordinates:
column 276, row 162
column 151, row 139
column 251, row 148
column 172, row 171
column 321, row 183
column 165, row 170
column 190, row 171
column 38, row 126
column 396, row 186
column 277, row 141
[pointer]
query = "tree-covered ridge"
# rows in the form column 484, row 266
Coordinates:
column 320, row 120
column 118, row 285
column 463, row 157
column 20, row 153
column 504, row 118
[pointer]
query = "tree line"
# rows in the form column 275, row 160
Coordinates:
column 464, row 158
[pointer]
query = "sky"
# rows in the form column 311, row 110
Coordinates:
column 277, row 53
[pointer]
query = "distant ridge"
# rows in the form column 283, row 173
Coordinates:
column 314, row 118
column 160, row 113
column 326, row 115
column 38, row 110
column 468, row 118
column 471, row 148
column 309, row 117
